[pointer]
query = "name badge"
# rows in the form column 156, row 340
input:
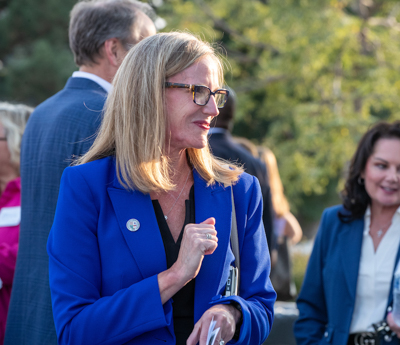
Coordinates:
column 10, row 216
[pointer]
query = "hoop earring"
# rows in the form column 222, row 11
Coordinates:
column 360, row 181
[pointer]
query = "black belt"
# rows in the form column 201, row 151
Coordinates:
column 383, row 334
column 364, row 338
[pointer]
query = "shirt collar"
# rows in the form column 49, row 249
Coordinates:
column 103, row 83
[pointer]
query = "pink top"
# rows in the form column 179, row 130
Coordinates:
column 10, row 214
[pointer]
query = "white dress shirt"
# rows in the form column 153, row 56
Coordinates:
column 375, row 275
column 103, row 83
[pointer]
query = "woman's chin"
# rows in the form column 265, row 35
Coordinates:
column 201, row 143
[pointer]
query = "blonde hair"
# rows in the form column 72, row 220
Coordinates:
column 13, row 118
column 134, row 124
column 279, row 201
column 248, row 145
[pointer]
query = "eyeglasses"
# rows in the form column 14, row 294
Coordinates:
column 3, row 139
column 202, row 94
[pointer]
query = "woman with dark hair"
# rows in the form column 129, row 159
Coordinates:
column 347, row 291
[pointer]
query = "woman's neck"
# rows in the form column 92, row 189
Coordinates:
column 179, row 166
column 382, row 214
column 5, row 179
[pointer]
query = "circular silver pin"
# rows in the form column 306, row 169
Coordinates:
column 133, row 224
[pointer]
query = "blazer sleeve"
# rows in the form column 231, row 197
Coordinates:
column 313, row 318
column 81, row 314
column 256, row 294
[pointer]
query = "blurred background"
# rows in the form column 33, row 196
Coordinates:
column 311, row 76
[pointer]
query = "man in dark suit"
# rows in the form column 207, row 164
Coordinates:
column 63, row 127
column 223, row 146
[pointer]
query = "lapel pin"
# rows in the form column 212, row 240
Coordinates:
column 133, row 224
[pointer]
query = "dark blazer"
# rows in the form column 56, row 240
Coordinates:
column 327, row 297
column 59, row 128
column 223, row 146
column 103, row 276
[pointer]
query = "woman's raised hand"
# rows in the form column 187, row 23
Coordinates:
column 393, row 325
column 198, row 240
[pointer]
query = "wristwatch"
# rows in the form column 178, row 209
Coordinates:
column 237, row 306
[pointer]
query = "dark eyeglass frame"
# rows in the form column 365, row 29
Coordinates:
column 192, row 87
column 4, row 138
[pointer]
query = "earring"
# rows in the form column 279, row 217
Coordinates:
column 360, row 180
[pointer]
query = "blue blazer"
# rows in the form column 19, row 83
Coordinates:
column 60, row 128
column 327, row 297
column 103, row 277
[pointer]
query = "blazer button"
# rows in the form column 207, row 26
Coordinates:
column 326, row 334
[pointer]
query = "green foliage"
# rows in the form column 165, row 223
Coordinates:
column 36, row 71
column 299, row 262
column 311, row 77
column 34, row 53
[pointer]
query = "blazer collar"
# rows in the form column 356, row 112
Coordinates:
column 213, row 201
column 390, row 299
column 84, row 83
column 146, row 243
column 350, row 239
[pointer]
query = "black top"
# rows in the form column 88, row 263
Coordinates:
column 183, row 300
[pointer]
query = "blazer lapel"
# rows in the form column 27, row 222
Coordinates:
column 214, row 202
column 390, row 299
column 145, row 243
column 351, row 241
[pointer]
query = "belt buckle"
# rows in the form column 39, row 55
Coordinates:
column 383, row 330
column 365, row 338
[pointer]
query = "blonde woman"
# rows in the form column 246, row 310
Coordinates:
column 289, row 226
column 286, row 227
column 139, row 249
column 13, row 119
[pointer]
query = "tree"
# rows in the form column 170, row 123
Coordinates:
column 35, row 59
column 311, row 76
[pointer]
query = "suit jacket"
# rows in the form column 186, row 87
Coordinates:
column 327, row 298
column 103, row 276
column 223, row 146
column 60, row 128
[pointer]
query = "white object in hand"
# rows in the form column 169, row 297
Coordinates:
column 212, row 333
